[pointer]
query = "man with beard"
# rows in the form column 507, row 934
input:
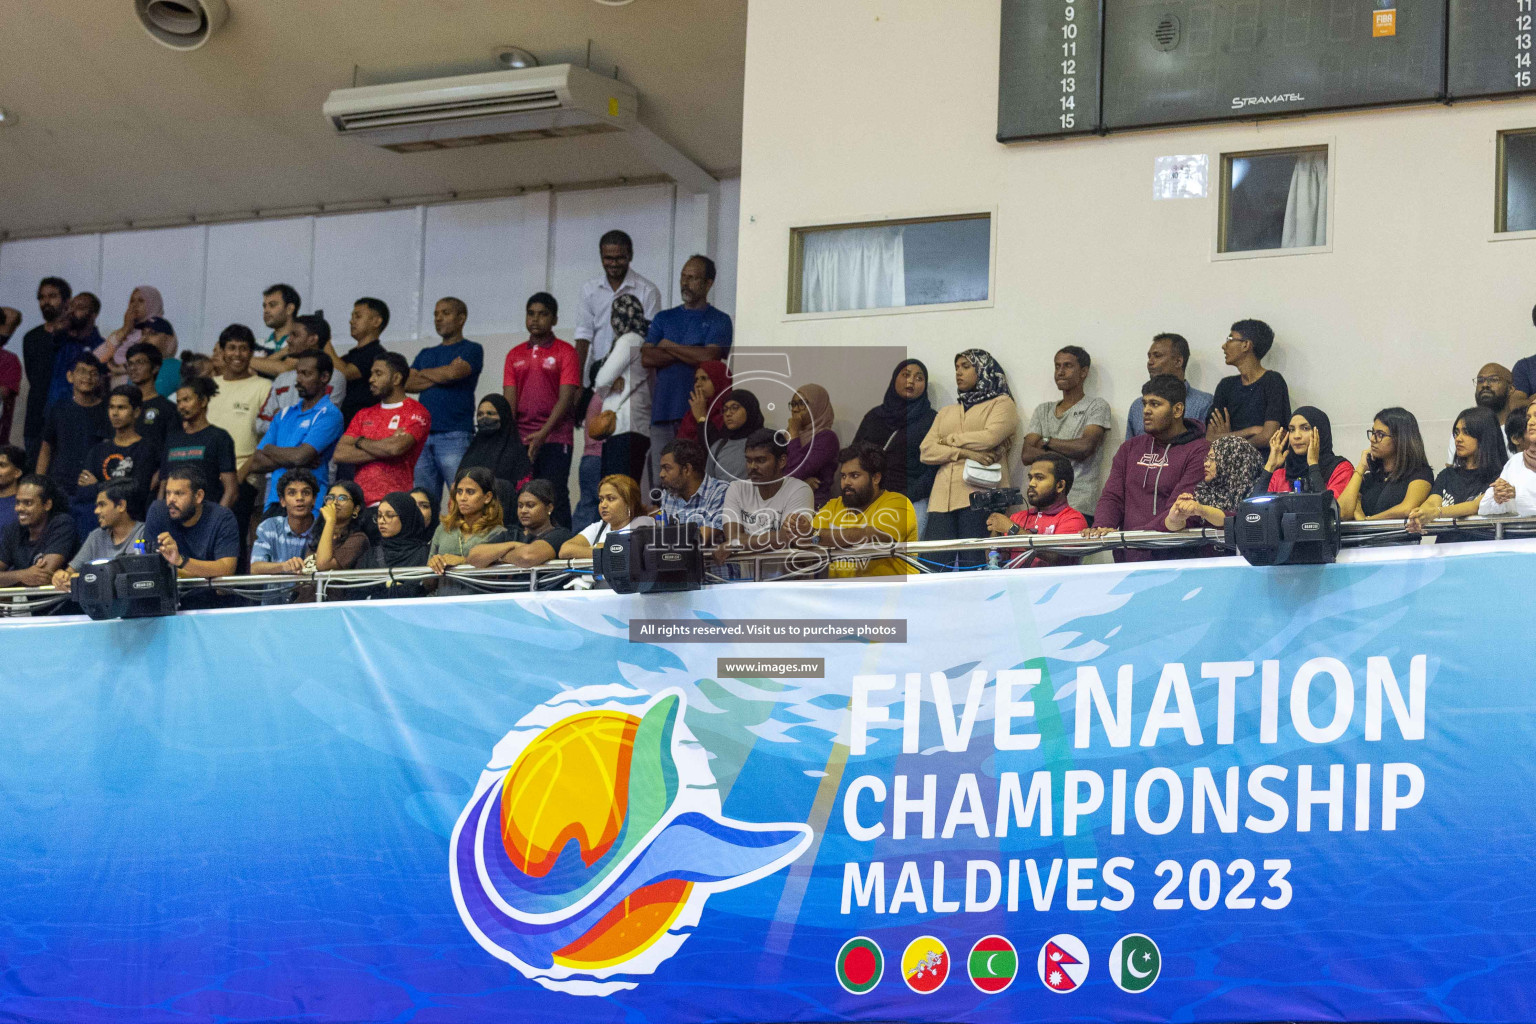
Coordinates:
column 863, row 514
column 39, row 347
column 198, row 537
column 1494, row 390
column 197, row 442
column 78, row 335
column 1047, row 512
column 384, row 441
column 688, row 495
column 279, row 310
column 756, row 508
column 303, row 435
column 42, row 538
column 308, row 333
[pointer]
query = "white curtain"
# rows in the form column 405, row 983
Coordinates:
column 853, row 268
column 1306, row 208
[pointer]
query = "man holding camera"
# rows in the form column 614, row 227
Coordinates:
column 1046, row 512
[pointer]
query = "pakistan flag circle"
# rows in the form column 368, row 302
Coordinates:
column 1135, row 963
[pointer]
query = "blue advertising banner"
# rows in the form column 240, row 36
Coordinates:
column 1191, row 791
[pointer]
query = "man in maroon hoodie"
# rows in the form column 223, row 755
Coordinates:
column 1149, row 472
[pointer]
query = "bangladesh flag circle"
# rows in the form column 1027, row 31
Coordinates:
column 1135, row 963
column 993, row 965
column 860, row 965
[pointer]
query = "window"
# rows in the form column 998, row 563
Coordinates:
column 1274, row 199
column 891, row 264
column 1517, row 181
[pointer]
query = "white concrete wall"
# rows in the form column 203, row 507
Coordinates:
column 868, row 109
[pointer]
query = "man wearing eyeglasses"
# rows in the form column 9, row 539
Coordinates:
column 1492, row 389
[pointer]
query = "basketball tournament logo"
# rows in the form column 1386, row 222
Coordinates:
column 925, row 965
column 993, row 965
column 1135, row 963
column 594, row 838
column 1063, row 963
column 860, row 965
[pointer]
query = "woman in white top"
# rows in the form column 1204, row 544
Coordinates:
column 618, row 509
column 626, row 389
column 1514, row 492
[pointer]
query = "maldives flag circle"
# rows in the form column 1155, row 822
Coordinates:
column 1063, row 963
column 860, row 965
column 993, row 964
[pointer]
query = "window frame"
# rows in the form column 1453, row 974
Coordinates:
column 1501, row 189
column 796, row 254
column 1326, row 146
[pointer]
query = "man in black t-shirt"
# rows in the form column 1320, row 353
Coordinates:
column 39, row 349
column 157, row 414
column 369, row 319
column 41, row 540
column 125, row 456
column 1255, row 402
column 200, row 443
column 71, row 429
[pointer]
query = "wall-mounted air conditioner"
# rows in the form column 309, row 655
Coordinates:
column 483, row 109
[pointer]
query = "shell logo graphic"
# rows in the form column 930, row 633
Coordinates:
column 594, row 838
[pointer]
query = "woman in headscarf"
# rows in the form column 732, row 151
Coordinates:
column 144, row 303
column 496, row 444
column 711, row 385
column 968, row 443
column 625, row 387
column 741, row 416
column 1231, row 465
column 813, row 444
column 403, row 543
column 1302, row 452
column 897, row 427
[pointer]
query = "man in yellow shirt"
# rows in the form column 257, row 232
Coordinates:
column 864, row 514
column 235, row 409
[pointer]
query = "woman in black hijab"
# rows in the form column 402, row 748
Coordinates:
column 403, row 543
column 742, row 416
column 897, row 426
column 496, row 444
column 1303, row 451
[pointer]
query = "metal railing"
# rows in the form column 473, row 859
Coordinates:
column 800, row 563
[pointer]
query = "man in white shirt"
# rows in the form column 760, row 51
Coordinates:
column 309, row 333
column 764, row 503
column 594, row 335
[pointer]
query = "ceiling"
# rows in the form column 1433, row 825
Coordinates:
column 107, row 127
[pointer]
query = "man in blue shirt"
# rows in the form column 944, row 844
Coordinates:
column 446, row 376
column 302, row 436
column 679, row 340
column 1170, row 354
column 200, row 538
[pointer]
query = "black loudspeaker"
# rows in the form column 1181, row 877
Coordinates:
column 653, row 560
column 126, row 587
column 1286, row 529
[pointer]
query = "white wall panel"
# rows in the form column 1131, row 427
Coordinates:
column 492, row 254
column 247, row 257
column 75, row 258
column 375, row 254
column 580, row 220
column 171, row 260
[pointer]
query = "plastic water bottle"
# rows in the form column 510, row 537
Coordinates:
column 994, row 560
column 138, row 547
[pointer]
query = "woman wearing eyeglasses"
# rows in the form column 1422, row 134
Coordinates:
column 1393, row 477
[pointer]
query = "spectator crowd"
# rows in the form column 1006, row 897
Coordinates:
column 278, row 454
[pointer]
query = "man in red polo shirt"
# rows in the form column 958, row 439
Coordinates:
column 383, row 441
column 541, row 379
column 1050, row 481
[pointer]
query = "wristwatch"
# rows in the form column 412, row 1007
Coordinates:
column 1045, row 444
